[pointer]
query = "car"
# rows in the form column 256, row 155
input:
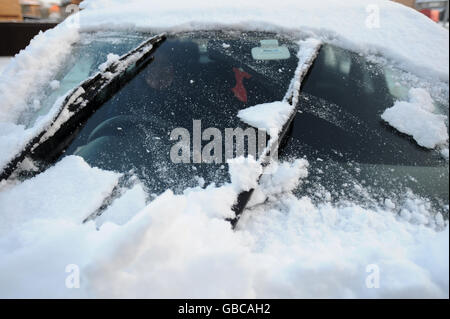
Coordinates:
column 181, row 112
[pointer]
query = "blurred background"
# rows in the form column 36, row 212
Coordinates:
column 35, row 10
column 21, row 20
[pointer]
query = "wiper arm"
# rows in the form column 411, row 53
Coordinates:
column 83, row 101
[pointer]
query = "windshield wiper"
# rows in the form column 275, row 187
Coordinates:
column 83, row 101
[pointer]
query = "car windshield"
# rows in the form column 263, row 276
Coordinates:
column 201, row 79
column 354, row 155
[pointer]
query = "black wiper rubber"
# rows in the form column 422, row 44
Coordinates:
column 83, row 101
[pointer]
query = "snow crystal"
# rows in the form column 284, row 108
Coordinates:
column 415, row 118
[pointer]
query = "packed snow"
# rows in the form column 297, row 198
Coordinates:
column 181, row 245
column 416, row 118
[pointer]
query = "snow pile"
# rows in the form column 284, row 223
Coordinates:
column 309, row 49
column 11, row 140
column 268, row 116
column 181, row 246
column 245, row 172
column 110, row 59
column 271, row 117
column 416, row 118
column 279, row 179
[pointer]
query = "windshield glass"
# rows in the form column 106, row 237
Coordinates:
column 195, row 82
column 354, row 155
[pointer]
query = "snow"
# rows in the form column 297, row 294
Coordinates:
column 55, row 84
column 69, row 197
column 31, row 70
column 416, row 118
column 181, row 246
column 125, row 207
column 4, row 62
column 110, row 58
column 25, row 77
column 444, row 153
column 268, row 116
column 46, row 125
column 306, row 55
column 51, row 2
column 402, row 34
column 245, row 172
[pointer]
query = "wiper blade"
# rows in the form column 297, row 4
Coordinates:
column 83, row 101
column 307, row 55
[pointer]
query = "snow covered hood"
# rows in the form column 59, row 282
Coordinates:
column 368, row 26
